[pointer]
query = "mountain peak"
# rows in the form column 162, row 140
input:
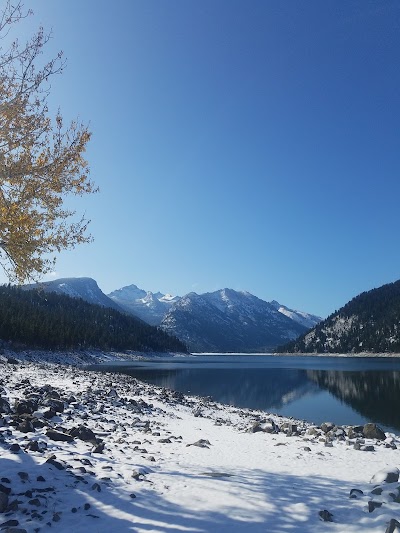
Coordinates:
column 85, row 288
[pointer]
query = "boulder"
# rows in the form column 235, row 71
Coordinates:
column 25, row 407
column 372, row 431
column 327, row 426
column 386, row 475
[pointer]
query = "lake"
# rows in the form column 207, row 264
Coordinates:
column 342, row 390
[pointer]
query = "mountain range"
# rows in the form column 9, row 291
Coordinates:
column 220, row 321
column 370, row 322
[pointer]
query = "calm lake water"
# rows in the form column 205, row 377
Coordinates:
column 342, row 390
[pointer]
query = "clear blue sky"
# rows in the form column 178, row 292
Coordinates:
column 251, row 145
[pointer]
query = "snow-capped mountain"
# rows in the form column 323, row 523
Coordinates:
column 150, row 307
column 305, row 319
column 229, row 321
column 220, row 321
column 85, row 288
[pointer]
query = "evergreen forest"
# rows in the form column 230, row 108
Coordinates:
column 34, row 319
column 370, row 322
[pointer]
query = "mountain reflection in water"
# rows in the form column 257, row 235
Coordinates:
column 345, row 391
column 248, row 387
column 374, row 394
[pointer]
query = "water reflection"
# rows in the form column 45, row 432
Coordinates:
column 373, row 394
column 341, row 390
column 246, row 387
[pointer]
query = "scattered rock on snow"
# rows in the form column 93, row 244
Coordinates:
column 372, row 431
column 326, row 516
column 201, row 443
column 386, row 475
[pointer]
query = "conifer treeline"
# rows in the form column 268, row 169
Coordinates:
column 371, row 324
column 35, row 319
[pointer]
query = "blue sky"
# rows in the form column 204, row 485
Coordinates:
column 251, row 145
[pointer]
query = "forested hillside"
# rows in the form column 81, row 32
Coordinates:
column 35, row 319
column 370, row 322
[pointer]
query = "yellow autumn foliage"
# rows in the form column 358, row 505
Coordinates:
column 41, row 161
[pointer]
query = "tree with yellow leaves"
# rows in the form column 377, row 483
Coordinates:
column 41, row 161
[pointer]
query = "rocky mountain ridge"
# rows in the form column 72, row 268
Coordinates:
column 229, row 321
column 219, row 321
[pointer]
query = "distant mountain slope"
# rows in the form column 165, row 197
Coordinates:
column 36, row 319
column 370, row 322
column 148, row 306
column 85, row 288
column 305, row 319
column 229, row 321
column 224, row 320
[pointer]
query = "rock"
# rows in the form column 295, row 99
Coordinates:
column 26, row 426
column 340, row 433
column 372, row 505
column 256, row 427
column 32, row 446
column 15, row 448
column 3, row 502
column 137, row 475
column 55, row 404
column 269, row 427
column 197, row 412
column 49, row 413
column 393, row 526
column 367, row 448
column 59, row 436
column 83, row 433
column 25, row 407
column 290, row 429
column 326, row 427
column 5, row 490
column 386, row 475
column 201, row 443
column 52, row 461
column 356, row 493
column 9, row 523
column 326, row 516
column 99, row 448
column 4, row 406
column 372, row 431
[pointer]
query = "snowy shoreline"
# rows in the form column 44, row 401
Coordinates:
column 92, row 357
column 140, row 458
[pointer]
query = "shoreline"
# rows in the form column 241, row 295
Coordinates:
column 93, row 357
column 170, row 462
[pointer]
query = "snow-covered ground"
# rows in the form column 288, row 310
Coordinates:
column 140, row 458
